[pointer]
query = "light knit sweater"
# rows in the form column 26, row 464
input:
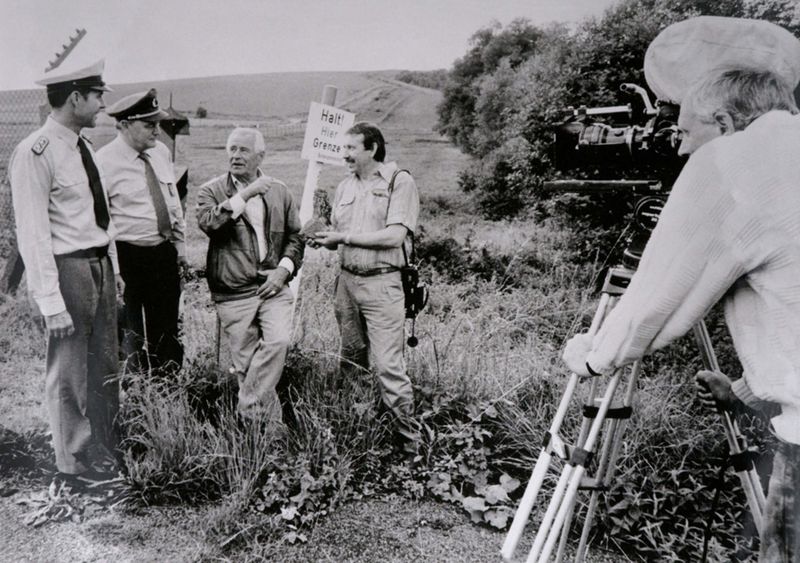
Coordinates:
column 730, row 229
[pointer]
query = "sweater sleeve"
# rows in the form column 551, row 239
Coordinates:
column 691, row 260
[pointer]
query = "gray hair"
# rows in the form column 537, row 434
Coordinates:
column 744, row 93
column 258, row 138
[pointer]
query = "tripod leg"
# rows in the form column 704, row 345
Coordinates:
column 582, row 435
column 537, row 477
column 737, row 444
column 544, row 459
column 562, row 544
column 580, row 467
column 547, row 519
column 606, row 468
column 609, row 444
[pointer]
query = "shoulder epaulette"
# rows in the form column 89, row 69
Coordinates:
column 40, row 144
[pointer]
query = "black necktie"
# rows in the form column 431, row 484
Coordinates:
column 100, row 207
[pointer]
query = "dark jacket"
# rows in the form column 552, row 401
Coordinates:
column 232, row 264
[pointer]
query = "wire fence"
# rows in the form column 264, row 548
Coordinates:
column 20, row 115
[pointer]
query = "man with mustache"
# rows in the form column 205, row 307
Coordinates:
column 254, row 249
column 371, row 226
column 147, row 212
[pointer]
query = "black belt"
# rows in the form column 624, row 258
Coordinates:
column 371, row 271
column 96, row 252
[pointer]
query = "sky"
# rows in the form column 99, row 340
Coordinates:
column 151, row 40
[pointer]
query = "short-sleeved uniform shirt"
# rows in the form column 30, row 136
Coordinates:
column 365, row 205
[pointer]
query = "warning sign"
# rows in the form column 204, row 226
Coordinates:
column 325, row 133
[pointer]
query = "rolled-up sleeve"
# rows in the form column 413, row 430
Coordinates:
column 404, row 203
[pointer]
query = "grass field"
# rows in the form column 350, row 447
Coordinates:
column 504, row 297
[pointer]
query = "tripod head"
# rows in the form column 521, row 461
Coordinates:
column 649, row 198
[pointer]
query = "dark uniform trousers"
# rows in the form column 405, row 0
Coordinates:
column 152, row 285
column 81, row 386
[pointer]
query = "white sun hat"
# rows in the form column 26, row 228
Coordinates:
column 688, row 50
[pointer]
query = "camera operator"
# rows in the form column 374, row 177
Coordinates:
column 730, row 230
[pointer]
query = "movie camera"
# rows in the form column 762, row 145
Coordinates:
column 638, row 141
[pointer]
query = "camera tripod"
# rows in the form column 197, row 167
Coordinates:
column 602, row 427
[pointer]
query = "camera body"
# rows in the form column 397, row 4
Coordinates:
column 636, row 137
column 630, row 150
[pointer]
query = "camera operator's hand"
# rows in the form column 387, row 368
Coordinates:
column 275, row 282
column 714, row 390
column 575, row 353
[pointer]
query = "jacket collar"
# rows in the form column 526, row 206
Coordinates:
column 230, row 185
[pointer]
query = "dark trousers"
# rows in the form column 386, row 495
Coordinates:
column 152, row 294
column 81, row 387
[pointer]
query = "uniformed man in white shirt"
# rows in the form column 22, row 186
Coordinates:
column 64, row 232
column 147, row 213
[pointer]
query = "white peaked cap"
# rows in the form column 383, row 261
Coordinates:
column 688, row 50
column 87, row 76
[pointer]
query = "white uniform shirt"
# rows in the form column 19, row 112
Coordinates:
column 53, row 208
column 131, row 205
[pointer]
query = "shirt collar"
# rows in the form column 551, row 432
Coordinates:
column 65, row 133
column 385, row 170
column 238, row 184
column 128, row 151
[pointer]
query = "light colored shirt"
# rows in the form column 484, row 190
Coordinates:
column 362, row 205
column 53, row 208
column 131, row 205
column 254, row 212
column 730, row 230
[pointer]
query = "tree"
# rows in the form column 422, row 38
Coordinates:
column 491, row 47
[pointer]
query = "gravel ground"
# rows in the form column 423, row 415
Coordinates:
column 397, row 530
column 390, row 530
column 158, row 535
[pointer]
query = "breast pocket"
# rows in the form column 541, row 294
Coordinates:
column 71, row 183
column 378, row 206
column 343, row 214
